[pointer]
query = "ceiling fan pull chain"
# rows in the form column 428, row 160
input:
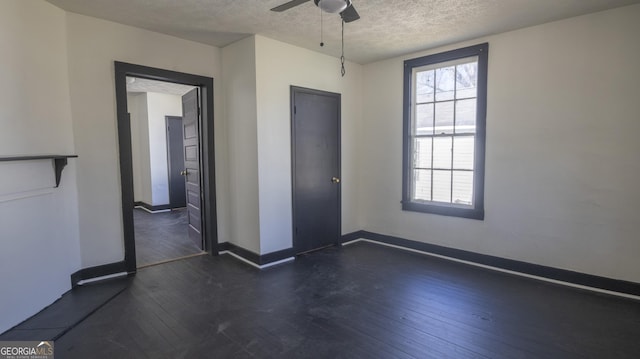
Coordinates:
column 321, row 29
column 342, row 70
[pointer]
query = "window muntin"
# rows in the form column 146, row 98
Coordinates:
column 445, row 102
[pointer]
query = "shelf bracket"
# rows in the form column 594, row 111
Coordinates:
column 59, row 164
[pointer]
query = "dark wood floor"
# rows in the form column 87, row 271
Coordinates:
column 65, row 313
column 161, row 236
column 359, row 301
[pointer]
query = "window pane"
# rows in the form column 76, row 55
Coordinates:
column 424, row 119
column 466, row 116
column 463, row 150
column 424, row 86
column 444, row 117
column 422, row 152
column 442, row 186
column 462, row 187
column 466, row 80
column 422, row 185
column 442, row 152
column 445, row 82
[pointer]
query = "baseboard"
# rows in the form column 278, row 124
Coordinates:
column 104, row 271
column 349, row 237
column 525, row 268
column 223, row 247
column 152, row 209
column 257, row 260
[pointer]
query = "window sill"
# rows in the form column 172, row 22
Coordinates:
column 444, row 210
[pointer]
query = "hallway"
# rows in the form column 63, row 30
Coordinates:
column 161, row 236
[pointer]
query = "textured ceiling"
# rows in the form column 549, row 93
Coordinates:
column 135, row 84
column 387, row 28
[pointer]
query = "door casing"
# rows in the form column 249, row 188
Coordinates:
column 209, row 219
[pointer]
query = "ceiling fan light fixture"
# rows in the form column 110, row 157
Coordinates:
column 333, row 6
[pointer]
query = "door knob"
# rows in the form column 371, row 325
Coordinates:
column 184, row 173
column 335, row 180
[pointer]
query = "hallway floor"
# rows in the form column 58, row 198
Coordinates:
column 162, row 236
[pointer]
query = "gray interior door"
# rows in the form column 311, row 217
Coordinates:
column 175, row 148
column 316, row 168
column 190, row 138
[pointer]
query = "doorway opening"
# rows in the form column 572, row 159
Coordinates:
column 165, row 134
column 161, row 215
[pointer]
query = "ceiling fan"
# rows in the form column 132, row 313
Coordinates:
column 344, row 7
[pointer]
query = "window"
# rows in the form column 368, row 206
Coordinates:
column 444, row 132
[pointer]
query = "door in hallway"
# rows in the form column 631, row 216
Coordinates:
column 175, row 147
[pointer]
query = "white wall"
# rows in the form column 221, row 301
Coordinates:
column 39, row 246
column 278, row 66
column 258, row 73
column 158, row 106
column 239, row 65
column 137, row 106
column 562, row 171
column 93, row 46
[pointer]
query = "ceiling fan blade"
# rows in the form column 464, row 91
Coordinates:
column 349, row 14
column 289, row 5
